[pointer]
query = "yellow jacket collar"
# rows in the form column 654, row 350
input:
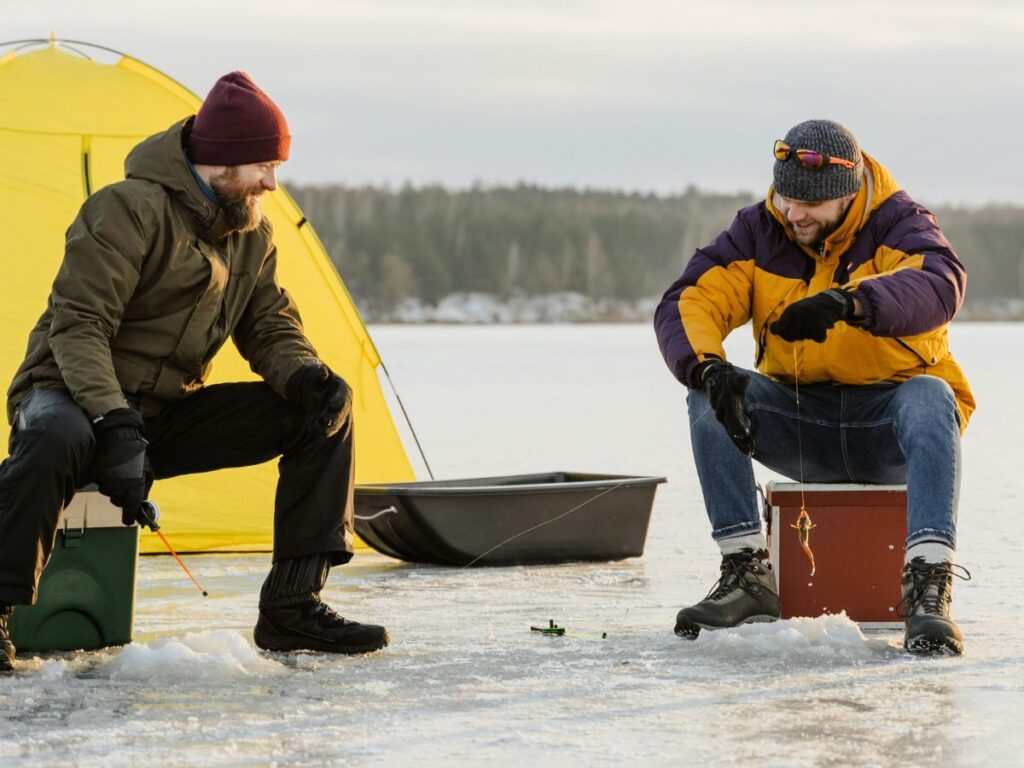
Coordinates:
column 877, row 186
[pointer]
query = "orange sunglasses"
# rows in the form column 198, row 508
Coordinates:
column 809, row 158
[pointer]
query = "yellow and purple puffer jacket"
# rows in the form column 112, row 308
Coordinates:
column 888, row 249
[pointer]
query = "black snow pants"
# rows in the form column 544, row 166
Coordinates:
column 224, row 425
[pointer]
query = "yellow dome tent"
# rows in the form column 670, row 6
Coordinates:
column 66, row 124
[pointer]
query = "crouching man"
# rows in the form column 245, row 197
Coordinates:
column 851, row 286
column 158, row 271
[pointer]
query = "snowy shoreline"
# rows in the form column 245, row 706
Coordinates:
column 568, row 307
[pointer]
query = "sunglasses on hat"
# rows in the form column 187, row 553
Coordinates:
column 809, row 158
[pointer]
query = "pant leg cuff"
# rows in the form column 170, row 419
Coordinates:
column 339, row 554
column 738, row 529
column 932, row 534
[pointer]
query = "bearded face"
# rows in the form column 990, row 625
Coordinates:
column 813, row 222
column 239, row 198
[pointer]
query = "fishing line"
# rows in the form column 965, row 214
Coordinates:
column 803, row 522
column 799, row 443
column 501, row 544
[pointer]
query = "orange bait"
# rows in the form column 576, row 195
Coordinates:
column 803, row 527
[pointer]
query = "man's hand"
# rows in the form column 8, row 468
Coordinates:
column 726, row 388
column 119, row 464
column 811, row 318
column 323, row 396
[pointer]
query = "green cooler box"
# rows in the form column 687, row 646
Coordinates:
column 86, row 594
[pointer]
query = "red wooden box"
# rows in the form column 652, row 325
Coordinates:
column 857, row 540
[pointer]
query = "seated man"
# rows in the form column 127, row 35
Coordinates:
column 851, row 286
column 158, row 271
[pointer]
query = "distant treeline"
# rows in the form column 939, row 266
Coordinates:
column 430, row 242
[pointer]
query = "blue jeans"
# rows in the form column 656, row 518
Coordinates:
column 883, row 433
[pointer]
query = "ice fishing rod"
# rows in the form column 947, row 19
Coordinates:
column 150, row 513
column 553, row 630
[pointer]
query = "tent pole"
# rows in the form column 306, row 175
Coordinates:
column 407, row 419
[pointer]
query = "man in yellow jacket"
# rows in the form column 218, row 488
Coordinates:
column 850, row 286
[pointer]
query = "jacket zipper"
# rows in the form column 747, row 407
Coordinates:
column 902, row 343
column 762, row 338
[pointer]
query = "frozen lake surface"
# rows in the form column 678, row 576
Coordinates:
column 466, row 682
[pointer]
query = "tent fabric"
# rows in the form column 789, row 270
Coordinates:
column 66, row 124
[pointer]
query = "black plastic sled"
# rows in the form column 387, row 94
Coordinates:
column 553, row 517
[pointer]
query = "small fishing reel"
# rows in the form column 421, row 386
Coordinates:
column 149, row 515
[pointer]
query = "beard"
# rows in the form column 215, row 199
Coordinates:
column 241, row 204
column 815, row 236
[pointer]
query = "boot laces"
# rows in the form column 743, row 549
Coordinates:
column 329, row 614
column 735, row 569
column 931, row 587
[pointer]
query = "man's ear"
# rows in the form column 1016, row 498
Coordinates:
column 847, row 202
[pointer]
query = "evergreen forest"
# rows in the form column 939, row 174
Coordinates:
column 423, row 244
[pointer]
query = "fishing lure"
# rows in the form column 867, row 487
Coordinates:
column 803, row 522
column 803, row 528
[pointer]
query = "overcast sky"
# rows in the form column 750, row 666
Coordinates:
column 638, row 94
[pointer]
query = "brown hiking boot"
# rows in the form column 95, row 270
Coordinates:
column 745, row 592
column 927, row 594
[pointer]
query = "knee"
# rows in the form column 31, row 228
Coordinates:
column 55, row 443
column 927, row 392
column 705, row 428
column 301, row 433
column 925, row 400
column 699, row 407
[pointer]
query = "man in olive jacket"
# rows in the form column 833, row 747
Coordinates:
column 159, row 270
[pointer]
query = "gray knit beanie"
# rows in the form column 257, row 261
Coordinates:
column 794, row 181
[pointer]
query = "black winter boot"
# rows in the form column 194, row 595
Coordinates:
column 6, row 646
column 292, row 617
column 927, row 594
column 744, row 593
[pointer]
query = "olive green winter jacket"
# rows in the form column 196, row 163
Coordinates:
column 152, row 284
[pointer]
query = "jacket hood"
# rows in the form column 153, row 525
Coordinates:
column 161, row 159
column 877, row 186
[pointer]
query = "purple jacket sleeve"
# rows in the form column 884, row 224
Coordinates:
column 921, row 281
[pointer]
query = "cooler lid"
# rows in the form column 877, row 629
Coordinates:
column 90, row 509
column 834, row 494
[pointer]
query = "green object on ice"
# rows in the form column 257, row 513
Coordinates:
column 550, row 629
column 554, row 629
column 86, row 596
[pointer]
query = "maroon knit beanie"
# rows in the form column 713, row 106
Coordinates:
column 238, row 124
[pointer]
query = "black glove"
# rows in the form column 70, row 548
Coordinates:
column 726, row 387
column 119, row 465
column 812, row 317
column 323, row 396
